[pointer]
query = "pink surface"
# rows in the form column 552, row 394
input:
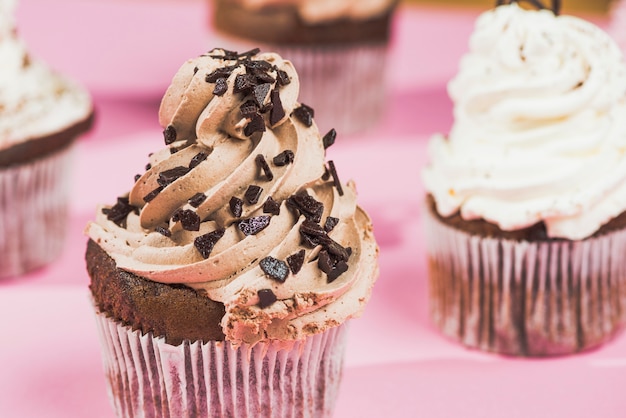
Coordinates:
column 397, row 365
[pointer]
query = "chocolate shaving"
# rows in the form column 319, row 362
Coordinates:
column 326, row 174
column 197, row 159
column 197, row 199
column 266, row 298
column 296, row 261
column 274, row 268
column 169, row 134
column 305, row 114
column 336, row 182
column 260, row 93
column 282, row 78
column 120, row 211
column 306, row 205
column 271, row 206
column 284, row 158
column 221, row 87
column 236, row 206
column 260, row 160
column 249, row 109
column 189, row 220
column 167, row 177
column 163, row 231
column 330, row 265
column 249, row 53
column 150, row 196
column 277, row 113
column 253, row 194
column 205, row 243
column 256, row 124
column 244, row 83
column 330, row 223
column 329, row 138
column 253, row 226
column 220, row 73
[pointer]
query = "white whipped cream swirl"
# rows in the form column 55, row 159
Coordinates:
column 540, row 126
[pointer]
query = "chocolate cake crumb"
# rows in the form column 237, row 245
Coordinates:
column 189, row 220
column 266, row 298
column 305, row 114
column 284, row 158
column 253, row 194
column 169, row 134
column 221, row 87
column 197, row 159
column 330, row 223
column 205, row 243
column 163, row 231
column 333, row 172
column 150, row 196
column 120, row 211
column 296, row 261
column 271, row 206
column 306, row 205
column 236, row 206
column 277, row 113
column 329, row 138
column 253, row 226
column 197, row 199
column 260, row 160
column 274, row 268
column 167, row 177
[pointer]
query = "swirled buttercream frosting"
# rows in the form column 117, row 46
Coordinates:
column 35, row 101
column 539, row 131
column 241, row 204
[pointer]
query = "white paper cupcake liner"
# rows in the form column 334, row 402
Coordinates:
column 33, row 212
column 150, row 378
column 345, row 85
column 526, row 298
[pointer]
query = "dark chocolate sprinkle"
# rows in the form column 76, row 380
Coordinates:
column 271, row 206
column 329, row 138
column 197, row 159
column 330, row 223
column 236, row 206
column 167, row 177
column 253, row 194
column 189, row 220
column 221, row 87
column 197, row 199
column 150, row 196
column 148, row 166
column 205, row 243
column 282, row 78
column 266, row 298
column 253, row 226
column 260, row 93
column 284, row 158
column 195, row 70
column 306, row 205
column 256, row 124
column 305, row 114
column 336, row 182
column 260, row 160
column 274, row 268
column 137, row 177
column 163, row 231
column 169, row 134
column 296, row 261
column 244, row 83
column 277, row 112
column 118, row 212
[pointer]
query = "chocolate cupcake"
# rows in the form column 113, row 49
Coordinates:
column 526, row 195
column 41, row 115
column 224, row 280
column 339, row 49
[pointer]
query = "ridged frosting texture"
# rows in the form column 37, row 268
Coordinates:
column 539, row 129
column 35, row 101
column 319, row 11
column 241, row 204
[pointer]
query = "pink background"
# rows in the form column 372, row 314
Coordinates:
column 397, row 365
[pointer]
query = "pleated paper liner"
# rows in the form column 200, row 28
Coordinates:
column 526, row 298
column 150, row 378
column 34, row 201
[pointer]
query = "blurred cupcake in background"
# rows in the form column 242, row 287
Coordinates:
column 41, row 115
column 339, row 48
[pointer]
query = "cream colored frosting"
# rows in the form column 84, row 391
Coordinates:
column 317, row 11
column 307, row 303
column 34, row 100
column 539, row 128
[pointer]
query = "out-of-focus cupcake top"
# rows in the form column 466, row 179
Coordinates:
column 241, row 205
column 539, row 128
column 34, row 100
column 318, row 11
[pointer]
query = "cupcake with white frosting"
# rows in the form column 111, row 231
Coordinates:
column 527, row 193
column 42, row 113
column 339, row 48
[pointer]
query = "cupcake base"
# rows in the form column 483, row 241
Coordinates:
column 147, row 377
column 526, row 298
column 33, row 212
